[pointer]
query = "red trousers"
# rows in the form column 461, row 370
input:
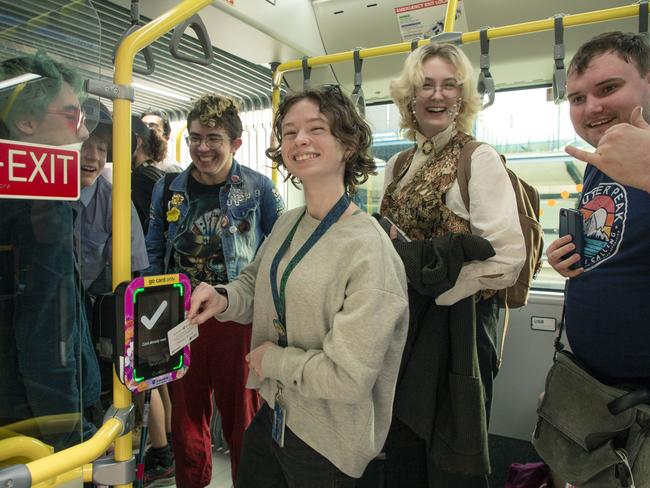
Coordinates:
column 217, row 366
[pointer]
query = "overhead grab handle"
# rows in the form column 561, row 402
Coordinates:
column 146, row 51
column 643, row 19
column 485, row 81
column 198, row 27
column 559, row 73
column 306, row 73
column 414, row 44
column 357, row 93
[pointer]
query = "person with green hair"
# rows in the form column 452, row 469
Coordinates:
column 49, row 366
column 44, row 105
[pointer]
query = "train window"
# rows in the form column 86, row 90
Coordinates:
column 531, row 132
column 524, row 126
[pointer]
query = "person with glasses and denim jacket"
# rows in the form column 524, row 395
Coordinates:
column 438, row 103
column 49, row 366
column 327, row 296
column 209, row 224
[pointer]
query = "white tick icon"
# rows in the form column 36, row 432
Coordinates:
column 150, row 322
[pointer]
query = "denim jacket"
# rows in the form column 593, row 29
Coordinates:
column 248, row 200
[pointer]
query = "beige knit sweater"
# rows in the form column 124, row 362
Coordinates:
column 347, row 318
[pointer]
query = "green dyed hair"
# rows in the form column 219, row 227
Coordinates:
column 31, row 99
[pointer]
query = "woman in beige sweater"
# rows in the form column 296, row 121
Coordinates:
column 327, row 298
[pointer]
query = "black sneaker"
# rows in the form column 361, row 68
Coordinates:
column 159, row 475
column 159, row 468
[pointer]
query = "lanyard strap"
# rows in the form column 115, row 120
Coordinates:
column 279, row 296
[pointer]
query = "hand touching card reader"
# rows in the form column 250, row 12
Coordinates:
column 151, row 306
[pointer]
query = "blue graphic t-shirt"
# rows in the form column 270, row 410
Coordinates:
column 608, row 306
column 197, row 245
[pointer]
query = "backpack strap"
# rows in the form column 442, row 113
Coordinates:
column 464, row 169
column 401, row 165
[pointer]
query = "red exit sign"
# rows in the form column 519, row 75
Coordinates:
column 38, row 172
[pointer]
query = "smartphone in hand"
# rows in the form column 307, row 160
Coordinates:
column 572, row 223
column 386, row 224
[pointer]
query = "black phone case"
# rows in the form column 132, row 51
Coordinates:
column 572, row 222
column 386, row 225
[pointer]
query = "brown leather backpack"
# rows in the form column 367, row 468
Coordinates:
column 527, row 198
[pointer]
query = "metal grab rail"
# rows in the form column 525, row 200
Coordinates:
column 23, row 447
column 75, row 457
column 121, row 256
column 73, row 461
column 43, row 425
column 179, row 138
column 466, row 38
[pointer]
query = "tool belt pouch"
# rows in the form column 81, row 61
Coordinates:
column 578, row 437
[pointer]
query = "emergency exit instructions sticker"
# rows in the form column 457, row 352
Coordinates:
column 181, row 335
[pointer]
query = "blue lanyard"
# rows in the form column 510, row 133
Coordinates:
column 279, row 297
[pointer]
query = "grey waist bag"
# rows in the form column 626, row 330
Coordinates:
column 590, row 434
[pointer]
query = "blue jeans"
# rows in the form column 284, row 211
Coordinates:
column 264, row 464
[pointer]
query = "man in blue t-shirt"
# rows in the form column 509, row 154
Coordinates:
column 608, row 300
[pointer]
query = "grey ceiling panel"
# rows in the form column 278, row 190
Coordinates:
column 230, row 75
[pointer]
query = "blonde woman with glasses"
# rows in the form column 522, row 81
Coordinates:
column 438, row 103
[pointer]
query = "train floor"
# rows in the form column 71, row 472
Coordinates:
column 503, row 452
column 220, row 472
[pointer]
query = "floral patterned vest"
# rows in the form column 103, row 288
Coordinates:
column 418, row 208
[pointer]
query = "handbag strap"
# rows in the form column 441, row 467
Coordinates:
column 558, row 344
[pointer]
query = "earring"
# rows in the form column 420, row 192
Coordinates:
column 455, row 110
column 415, row 121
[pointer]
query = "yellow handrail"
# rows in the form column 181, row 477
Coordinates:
column 124, row 57
column 468, row 37
column 44, row 425
column 275, row 103
column 179, row 138
column 74, row 475
column 42, row 19
column 74, row 457
column 23, row 447
column 450, row 15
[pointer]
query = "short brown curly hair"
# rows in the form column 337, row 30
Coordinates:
column 217, row 111
column 346, row 125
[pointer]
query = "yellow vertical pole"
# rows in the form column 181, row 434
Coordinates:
column 179, row 138
column 124, row 58
column 275, row 102
column 450, row 15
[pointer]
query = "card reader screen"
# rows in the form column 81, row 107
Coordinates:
column 157, row 310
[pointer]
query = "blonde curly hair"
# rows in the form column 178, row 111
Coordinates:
column 217, row 111
column 404, row 88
